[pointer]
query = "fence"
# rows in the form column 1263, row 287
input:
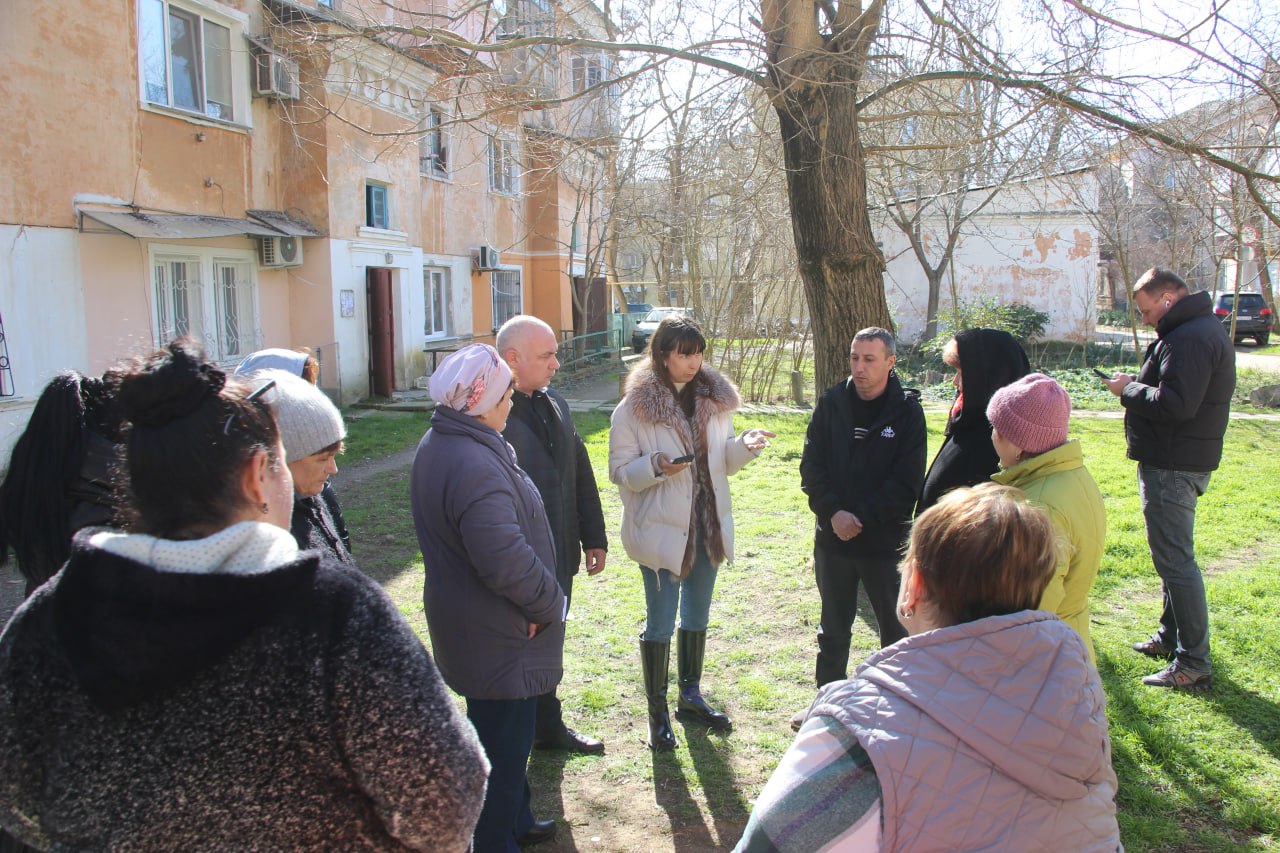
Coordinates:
column 580, row 352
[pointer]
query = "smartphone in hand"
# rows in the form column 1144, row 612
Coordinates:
column 1101, row 375
column 680, row 460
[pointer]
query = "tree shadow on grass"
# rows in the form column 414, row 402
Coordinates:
column 1184, row 809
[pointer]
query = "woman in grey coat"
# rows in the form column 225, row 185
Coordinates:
column 494, row 608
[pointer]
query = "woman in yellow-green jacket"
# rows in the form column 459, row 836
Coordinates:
column 1029, row 430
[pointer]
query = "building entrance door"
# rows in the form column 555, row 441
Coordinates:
column 382, row 331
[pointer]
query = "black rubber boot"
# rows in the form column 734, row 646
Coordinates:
column 691, row 647
column 655, row 663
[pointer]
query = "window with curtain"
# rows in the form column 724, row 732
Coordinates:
column 436, row 282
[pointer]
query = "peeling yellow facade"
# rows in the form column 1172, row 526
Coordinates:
column 91, row 124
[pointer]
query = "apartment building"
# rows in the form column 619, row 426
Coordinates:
column 345, row 176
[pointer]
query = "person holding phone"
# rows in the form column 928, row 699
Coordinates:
column 671, row 451
column 1176, row 412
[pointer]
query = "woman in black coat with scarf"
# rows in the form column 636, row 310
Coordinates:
column 493, row 606
column 985, row 360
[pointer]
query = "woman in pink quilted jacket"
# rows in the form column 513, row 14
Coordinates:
column 985, row 729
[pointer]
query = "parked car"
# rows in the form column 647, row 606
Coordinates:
column 1253, row 319
column 639, row 307
column 646, row 327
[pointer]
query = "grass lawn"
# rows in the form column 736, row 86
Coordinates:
column 1197, row 772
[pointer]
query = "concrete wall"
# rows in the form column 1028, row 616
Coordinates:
column 42, row 305
column 1033, row 245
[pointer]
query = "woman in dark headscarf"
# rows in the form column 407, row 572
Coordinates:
column 985, row 360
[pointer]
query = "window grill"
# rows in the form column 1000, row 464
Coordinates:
column 6, row 371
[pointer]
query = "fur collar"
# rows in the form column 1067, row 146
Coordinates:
column 652, row 401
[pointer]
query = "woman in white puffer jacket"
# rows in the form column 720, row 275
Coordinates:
column 671, row 451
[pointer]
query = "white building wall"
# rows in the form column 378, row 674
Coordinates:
column 42, row 306
column 351, row 260
column 1034, row 244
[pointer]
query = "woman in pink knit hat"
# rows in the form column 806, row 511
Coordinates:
column 1029, row 430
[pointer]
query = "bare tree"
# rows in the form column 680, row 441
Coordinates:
column 817, row 63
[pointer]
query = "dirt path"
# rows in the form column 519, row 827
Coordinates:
column 353, row 476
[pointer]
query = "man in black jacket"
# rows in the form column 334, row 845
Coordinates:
column 862, row 468
column 551, row 452
column 1176, row 412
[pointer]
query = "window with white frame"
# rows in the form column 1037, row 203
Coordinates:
column 504, row 165
column 207, row 294
column 188, row 62
column 433, row 147
column 377, row 210
column 506, row 295
column 436, row 283
column 588, row 71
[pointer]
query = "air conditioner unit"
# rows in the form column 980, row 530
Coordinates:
column 279, row 252
column 278, row 77
column 487, row 258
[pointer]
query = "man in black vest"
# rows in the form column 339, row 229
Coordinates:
column 551, row 452
column 1175, row 416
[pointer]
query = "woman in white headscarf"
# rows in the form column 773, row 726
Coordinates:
column 494, row 609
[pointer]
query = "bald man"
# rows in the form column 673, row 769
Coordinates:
column 551, row 452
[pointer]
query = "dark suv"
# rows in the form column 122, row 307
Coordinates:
column 1253, row 320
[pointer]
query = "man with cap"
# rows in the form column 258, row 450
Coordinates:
column 312, row 431
column 494, row 610
column 1175, row 416
column 551, row 452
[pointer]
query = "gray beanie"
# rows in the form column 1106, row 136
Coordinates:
column 308, row 420
column 273, row 359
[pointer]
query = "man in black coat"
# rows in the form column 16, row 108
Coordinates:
column 862, row 468
column 1175, row 416
column 551, row 452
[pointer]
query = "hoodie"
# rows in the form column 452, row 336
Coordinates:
column 226, row 693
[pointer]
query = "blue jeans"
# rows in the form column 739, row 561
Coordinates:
column 505, row 730
column 1169, row 508
column 663, row 592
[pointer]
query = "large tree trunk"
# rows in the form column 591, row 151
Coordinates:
column 840, row 265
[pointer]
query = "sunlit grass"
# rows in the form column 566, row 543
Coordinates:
column 1197, row 772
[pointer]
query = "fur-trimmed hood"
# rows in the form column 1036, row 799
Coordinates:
column 652, row 401
column 659, row 511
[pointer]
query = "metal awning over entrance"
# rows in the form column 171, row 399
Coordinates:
column 172, row 226
column 285, row 223
column 193, row 226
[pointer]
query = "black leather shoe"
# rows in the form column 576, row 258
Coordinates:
column 568, row 740
column 542, row 830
